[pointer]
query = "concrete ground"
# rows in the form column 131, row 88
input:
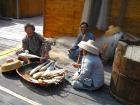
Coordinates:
column 14, row 90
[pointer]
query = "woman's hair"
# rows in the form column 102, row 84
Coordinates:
column 29, row 25
column 84, row 23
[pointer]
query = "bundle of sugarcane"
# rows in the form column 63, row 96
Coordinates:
column 47, row 73
column 81, row 53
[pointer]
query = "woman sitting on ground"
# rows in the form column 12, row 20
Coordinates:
column 74, row 51
column 90, row 75
column 33, row 42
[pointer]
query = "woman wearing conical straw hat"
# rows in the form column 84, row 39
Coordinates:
column 90, row 75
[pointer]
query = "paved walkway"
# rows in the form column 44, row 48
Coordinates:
column 15, row 90
column 14, row 29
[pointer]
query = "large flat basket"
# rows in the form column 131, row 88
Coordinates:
column 24, row 73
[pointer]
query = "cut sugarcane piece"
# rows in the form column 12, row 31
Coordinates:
column 45, row 67
column 52, row 66
column 51, row 81
column 37, row 68
column 38, row 75
column 33, row 80
column 53, row 73
column 29, row 56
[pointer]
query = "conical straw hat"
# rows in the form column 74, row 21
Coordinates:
column 112, row 30
column 9, row 66
column 89, row 46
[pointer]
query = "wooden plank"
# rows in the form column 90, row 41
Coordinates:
column 119, row 53
column 132, row 52
column 130, row 68
column 6, row 99
column 19, row 96
column 33, row 90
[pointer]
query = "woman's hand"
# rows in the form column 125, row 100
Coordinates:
column 76, row 65
column 74, row 77
column 70, row 50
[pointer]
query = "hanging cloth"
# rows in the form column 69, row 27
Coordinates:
column 87, row 11
column 103, row 16
column 95, row 13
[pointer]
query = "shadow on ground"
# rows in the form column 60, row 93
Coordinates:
column 101, row 96
column 37, row 21
column 48, row 90
column 63, row 90
column 3, row 23
column 11, row 75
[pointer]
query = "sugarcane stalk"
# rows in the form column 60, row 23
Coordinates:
column 81, row 52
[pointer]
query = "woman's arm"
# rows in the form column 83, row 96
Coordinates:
column 86, row 69
column 78, row 40
column 25, row 45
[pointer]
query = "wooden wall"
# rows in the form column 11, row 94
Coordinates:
column 26, row 8
column 8, row 8
column 131, row 19
column 62, row 17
